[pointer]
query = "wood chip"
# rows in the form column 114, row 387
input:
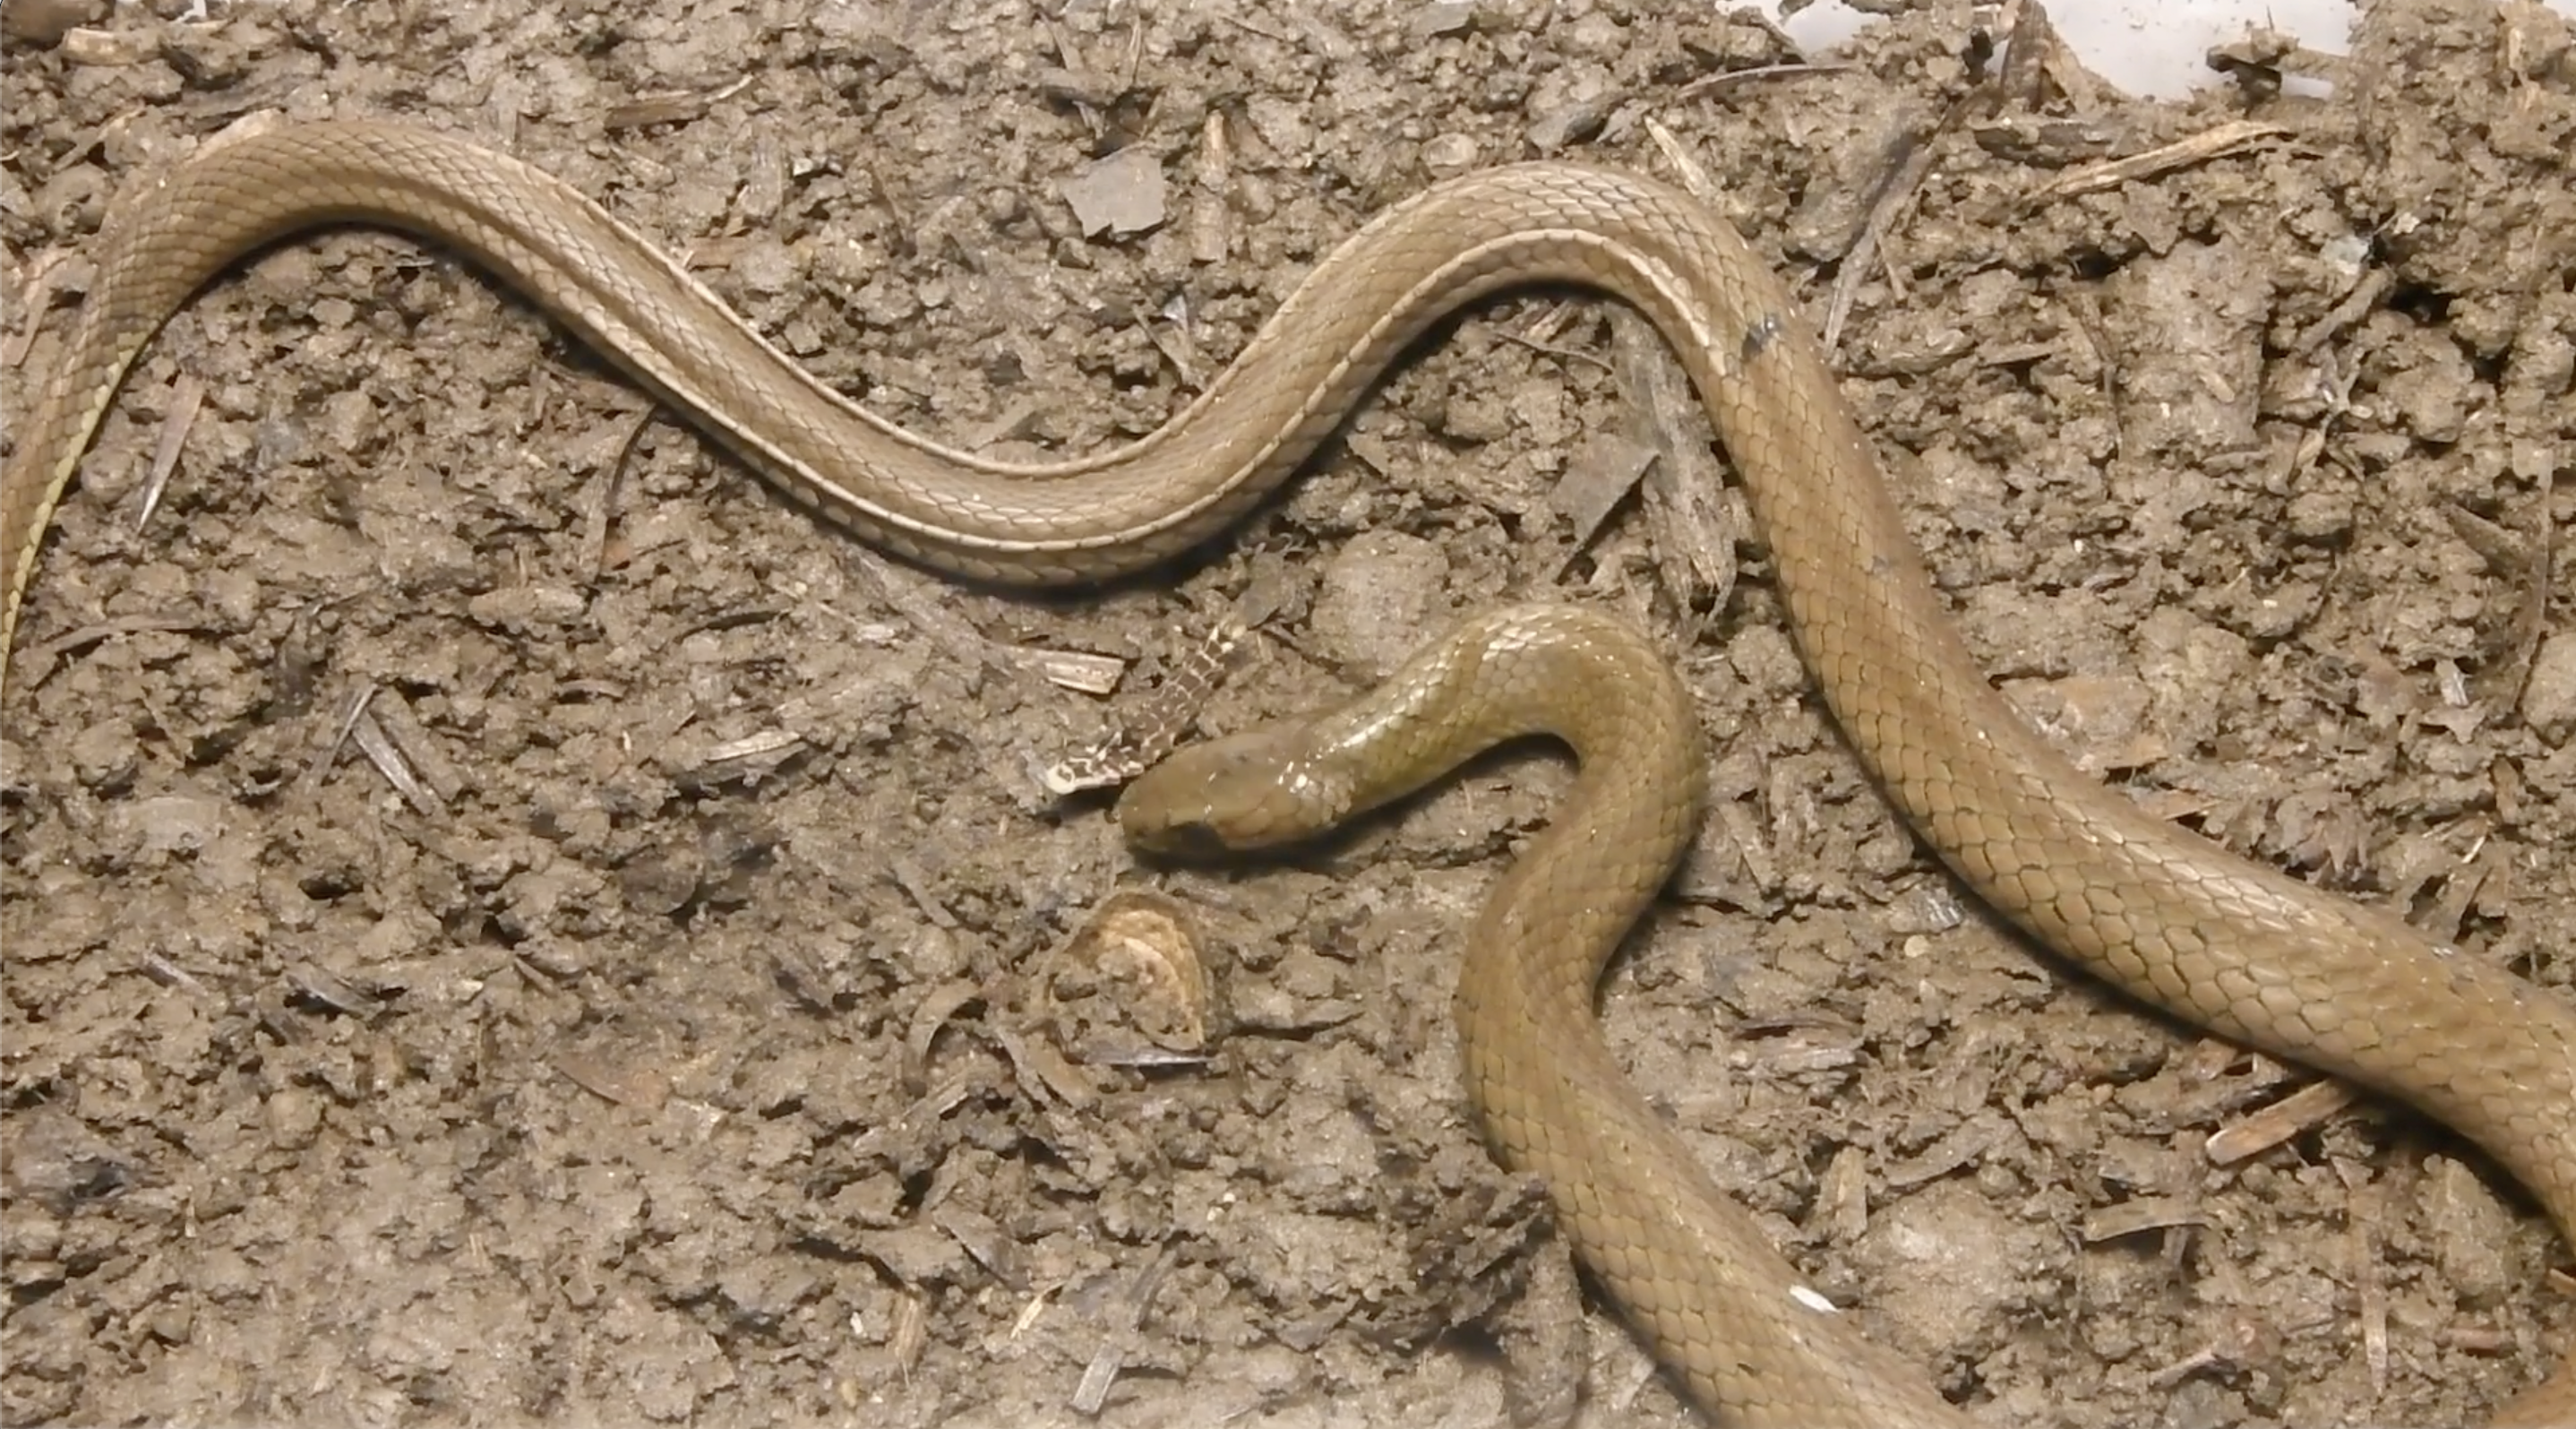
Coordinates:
column 1080, row 671
column 911, row 1331
column 2277, row 1123
column 1689, row 514
column 929, row 1018
column 425, row 754
column 2479, row 1339
column 930, row 1106
column 329, row 753
column 1911, row 156
column 2208, row 144
column 915, row 882
column 105, row 48
column 1048, row 1078
column 1027, row 1319
column 745, row 761
column 1603, row 470
column 29, row 667
column 1708, row 84
column 1121, row 194
column 1842, row 1197
column 1957, row 1147
column 169, row 974
column 675, row 107
column 368, row 733
column 1171, row 337
column 984, row 1241
column 2365, row 1208
column 636, row 1086
column 1212, row 207
column 186, row 395
column 1125, row 1318
column 319, row 984
column 2135, row 1217
column 1444, row 17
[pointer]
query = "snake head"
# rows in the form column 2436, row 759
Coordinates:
column 1245, row 791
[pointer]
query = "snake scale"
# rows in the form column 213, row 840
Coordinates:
column 2171, row 919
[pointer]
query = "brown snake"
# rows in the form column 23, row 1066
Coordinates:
column 2246, row 951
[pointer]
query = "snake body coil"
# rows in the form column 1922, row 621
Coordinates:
column 2175, row 921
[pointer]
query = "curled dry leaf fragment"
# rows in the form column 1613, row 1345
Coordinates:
column 1131, row 986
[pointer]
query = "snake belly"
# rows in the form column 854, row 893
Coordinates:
column 2243, row 950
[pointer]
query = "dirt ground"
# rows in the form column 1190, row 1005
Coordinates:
column 699, row 1040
